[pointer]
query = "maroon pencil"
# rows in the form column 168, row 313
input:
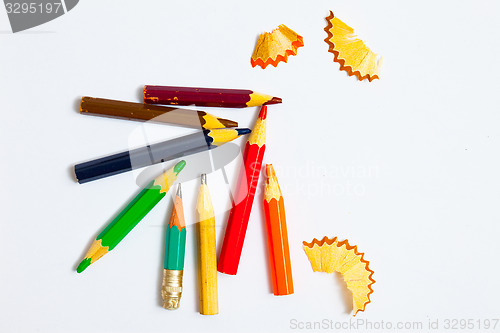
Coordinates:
column 226, row 98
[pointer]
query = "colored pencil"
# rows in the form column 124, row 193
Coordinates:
column 131, row 215
column 155, row 153
column 155, row 113
column 237, row 223
column 277, row 236
column 175, row 246
column 207, row 259
column 226, row 98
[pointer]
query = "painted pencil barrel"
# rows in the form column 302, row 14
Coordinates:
column 140, row 157
column 154, row 153
column 146, row 112
column 175, row 240
column 175, row 248
column 131, row 215
column 277, row 236
column 175, row 244
column 229, row 98
column 239, row 215
column 207, row 267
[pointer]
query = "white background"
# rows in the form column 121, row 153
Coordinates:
column 406, row 167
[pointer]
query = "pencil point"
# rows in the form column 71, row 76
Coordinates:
column 83, row 265
column 269, row 170
column 179, row 192
column 243, row 131
column 227, row 122
column 274, row 100
column 179, row 166
column 203, row 178
column 263, row 112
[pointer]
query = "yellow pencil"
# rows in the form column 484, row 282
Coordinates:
column 207, row 268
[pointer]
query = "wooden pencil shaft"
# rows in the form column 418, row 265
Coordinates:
column 208, row 268
column 147, row 112
column 131, row 215
column 279, row 252
column 140, row 157
column 135, row 211
column 175, row 244
column 277, row 236
column 175, row 240
column 239, row 215
column 207, row 273
column 233, row 98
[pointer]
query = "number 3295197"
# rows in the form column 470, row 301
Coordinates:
column 470, row 324
column 33, row 8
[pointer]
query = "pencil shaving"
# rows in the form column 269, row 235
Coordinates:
column 350, row 52
column 332, row 255
column 274, row 47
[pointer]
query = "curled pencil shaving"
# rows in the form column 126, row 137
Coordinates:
column 350, row 52
column 273, row 47
column 332, row 255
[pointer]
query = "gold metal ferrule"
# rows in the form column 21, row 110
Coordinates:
column 171, row 289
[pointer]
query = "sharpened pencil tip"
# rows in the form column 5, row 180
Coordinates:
column 203, row 178
column 243, row 131
column 270, row 171
column 83, row 265
column 274, row 100
column 227, row 122
column 179, row 192
column 263, row 112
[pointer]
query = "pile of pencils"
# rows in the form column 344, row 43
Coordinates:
column 214, row 132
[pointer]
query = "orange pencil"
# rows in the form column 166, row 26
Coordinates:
column 277, row 236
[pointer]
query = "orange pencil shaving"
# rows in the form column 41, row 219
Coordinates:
column 350, row 52
column 274, row 47
column 332, row 255
column 277, row 236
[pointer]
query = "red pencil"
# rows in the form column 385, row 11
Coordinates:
column 245, row 192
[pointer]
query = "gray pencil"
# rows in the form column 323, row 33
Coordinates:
column 155, row 153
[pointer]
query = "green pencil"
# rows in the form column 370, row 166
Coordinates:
column 175, row 246
column 131, row 216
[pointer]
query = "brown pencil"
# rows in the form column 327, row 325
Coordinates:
column 146, row 112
